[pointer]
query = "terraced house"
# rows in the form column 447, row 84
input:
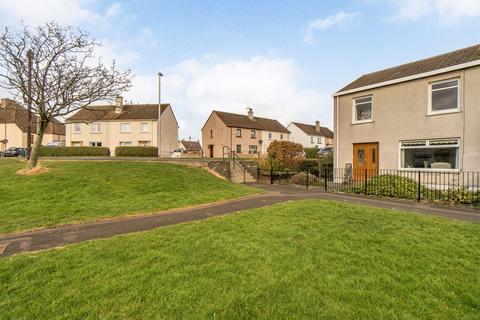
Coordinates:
column 246, row 135
column 124, row 125
column 423, row 115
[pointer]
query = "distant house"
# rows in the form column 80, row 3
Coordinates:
column 14, row 126
column 124, row 125
column 190, row 148
column 423, row 115
column 310, row 136
column 246, row 135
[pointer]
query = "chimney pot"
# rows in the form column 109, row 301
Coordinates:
column 118, row 104
column 317, row 126
column 250, row 113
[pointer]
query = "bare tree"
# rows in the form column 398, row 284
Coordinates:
column 65, row 76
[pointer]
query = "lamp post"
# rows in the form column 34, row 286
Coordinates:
column 159, row 121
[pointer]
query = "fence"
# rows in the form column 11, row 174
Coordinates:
column 452, row 187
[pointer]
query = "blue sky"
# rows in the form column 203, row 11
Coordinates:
column 283, row 58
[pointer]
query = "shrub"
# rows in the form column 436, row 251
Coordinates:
column 74, row 151
column 136, row 152
column 301, row 178
column 310, row 165
column 290, row 154
column 311, row 153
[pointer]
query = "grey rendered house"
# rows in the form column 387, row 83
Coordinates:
column 423, row 115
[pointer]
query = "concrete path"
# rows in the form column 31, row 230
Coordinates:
column 55, row 237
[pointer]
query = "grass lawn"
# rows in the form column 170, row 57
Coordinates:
column 76, row 191
column 297, row 260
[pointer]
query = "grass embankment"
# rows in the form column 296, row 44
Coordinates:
column 300, row 260
column 86, row 190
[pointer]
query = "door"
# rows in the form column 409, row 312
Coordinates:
column 365, row 159
column 210, row 150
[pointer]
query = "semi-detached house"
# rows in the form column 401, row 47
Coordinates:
column 423, row 115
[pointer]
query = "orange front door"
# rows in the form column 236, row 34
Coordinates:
column 365, row 159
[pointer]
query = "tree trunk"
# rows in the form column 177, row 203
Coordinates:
column 32, row 162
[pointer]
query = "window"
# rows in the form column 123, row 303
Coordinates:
column 362, row 109
column 270, row 135
column 77, row 127
column 144, row 127
column 444, row 97
column 311, row 139
column 95, row 144
column 124, row 127
column 281, row 136
column 252, row 134
column 430, row 154
column 319, row 140
column 211, row 134
column 239, row 148
column 96, row 127
column 238, row 133
column 125, row 143
column 143, row 143
column 252, row 149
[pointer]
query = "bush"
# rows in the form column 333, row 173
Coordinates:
column 136, row 152
column 310, row 165
column 311, row 153
column 290, row 154
column 301, row 178
column 74, row 152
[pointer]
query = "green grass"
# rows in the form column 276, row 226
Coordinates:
column 300, row 260
column 86, row 190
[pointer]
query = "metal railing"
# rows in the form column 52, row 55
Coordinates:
column 229, row 154
column 438, row 186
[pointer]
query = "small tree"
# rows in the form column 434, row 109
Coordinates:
column 289, row 153
column 64, row 76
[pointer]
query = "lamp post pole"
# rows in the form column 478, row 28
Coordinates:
column 159, row 121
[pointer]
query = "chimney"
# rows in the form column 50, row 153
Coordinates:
column 118, row 104
column 317, row 126
column 250, row 113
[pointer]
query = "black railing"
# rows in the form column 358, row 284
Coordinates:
column 439, row 186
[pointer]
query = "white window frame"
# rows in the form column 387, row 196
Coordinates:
column 144, row 127
column 146, row 143
column 94, row 125
column 319, row 140
column 270, row 136
column 95, row 144
column 125, row 143
column 77, row 126
column 354, row 110
column 250, row 149
column 125, row 124
column 428, row 146
column 445, row 111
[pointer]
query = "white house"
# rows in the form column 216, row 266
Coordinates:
column 310, row 136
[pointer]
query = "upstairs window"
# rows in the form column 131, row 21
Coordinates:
column 444, row 97
column 96, row 127
column 77, row 127
column 238, row 133
column 270, row 135
column 319, row 140
column 253, row 134
column 124, row 127
column 281, row 136
column 211, row 134
column 362, row 109
column 144, row 127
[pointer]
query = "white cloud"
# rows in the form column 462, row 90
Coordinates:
column 268, row 85
column 327, row 23
column 69, row 12
column 448, row 12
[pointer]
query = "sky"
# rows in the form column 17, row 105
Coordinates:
column 283, row 58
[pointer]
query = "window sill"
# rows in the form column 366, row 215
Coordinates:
column 95, row 132
column 428, row 170
column 437, row 113
column 362, row 122
column 126, row 132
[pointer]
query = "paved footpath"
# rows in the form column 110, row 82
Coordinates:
column 59, row 236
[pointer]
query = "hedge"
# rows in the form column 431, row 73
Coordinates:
column 74, row 151
column 136, row 152
column 311, row 153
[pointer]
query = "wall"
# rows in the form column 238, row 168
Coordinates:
column 13, row 134
column 400, row 113
column 275, row 136
column 168, row 133
column 110, row 135
column 221, row 136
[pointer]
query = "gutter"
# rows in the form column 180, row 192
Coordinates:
column 409, row 78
